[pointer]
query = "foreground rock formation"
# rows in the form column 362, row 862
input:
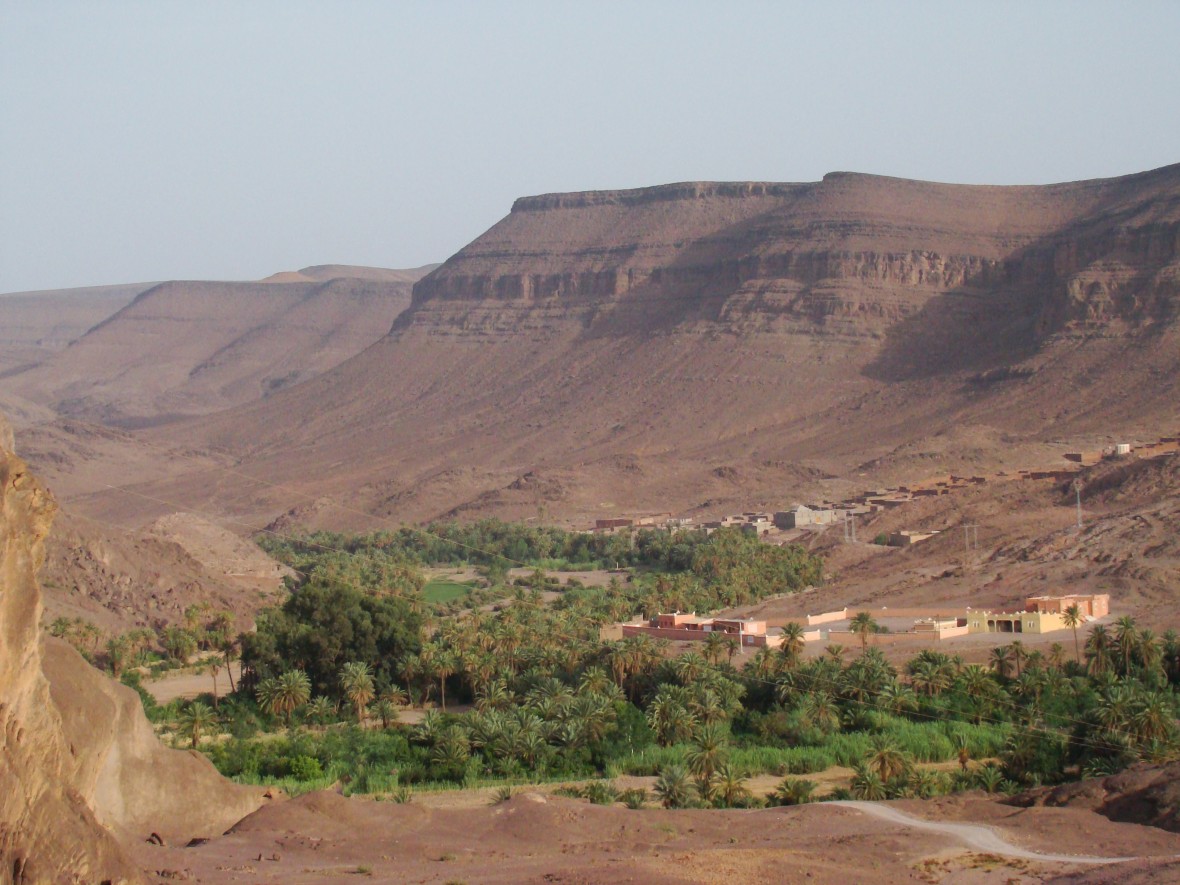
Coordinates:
column 79, row 764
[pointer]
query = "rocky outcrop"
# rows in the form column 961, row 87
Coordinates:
column 1143, row 794
column 135, row 785
column 48, row 833
column 79, row 764
column 855, row 252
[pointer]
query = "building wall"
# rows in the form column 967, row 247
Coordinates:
column 1095, row 605
column 1018, row 622
column 827, row 617
column 680, row 634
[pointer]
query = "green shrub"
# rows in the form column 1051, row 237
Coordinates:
column 634, row 798
column 306, row 768
column 601, row 792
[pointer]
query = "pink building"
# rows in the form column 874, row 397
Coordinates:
column 679, row 627
column 1092, row 605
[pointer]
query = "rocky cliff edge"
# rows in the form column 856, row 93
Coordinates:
column 80, row 768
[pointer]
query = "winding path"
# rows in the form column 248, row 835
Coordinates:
column 976, row 836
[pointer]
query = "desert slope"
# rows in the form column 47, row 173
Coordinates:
column 185, row 348
column 36, row 324
column 703, row 345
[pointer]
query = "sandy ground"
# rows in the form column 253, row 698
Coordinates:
column 535, row 838
column 189, row 685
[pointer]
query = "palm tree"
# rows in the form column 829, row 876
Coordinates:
column 898, row 698
column 670, row 719
column 731, row 788
column 793, row 791
column 1153, row 719
column 926, row 784
column 385, row 711
column 396, row 695
column 978, row 686
column 117, row 650
column 962, row 751
column 1127, row 638
column 862, row 624
column 1098, row 649
column 1019, row 655
column 195, row 720
column 819, row 710
column 1001, row 658
column 714, row 647
column 356, row 680
column 887, row 761
column 280, row 696
column 867, row 784
column 708, row 750
column 792, row 644
column 1150, row 654
column 690, row 668
column 673, row 788
column 1072, row 616
column 320, row 709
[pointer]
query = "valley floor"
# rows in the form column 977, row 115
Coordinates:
column 535, row 838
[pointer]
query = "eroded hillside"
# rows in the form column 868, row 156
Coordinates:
column 186, row 348
column 689, row 345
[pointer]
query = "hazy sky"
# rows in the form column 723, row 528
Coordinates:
column 153, row 140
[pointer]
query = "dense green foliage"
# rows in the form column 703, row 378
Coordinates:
column 491, row 542
column 325, row 624
column 550, row 699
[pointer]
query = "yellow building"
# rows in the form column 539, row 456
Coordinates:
column 1014, row 622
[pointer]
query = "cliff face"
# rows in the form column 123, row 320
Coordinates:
column 47, row 831
column 851, row 254
column 78, row 761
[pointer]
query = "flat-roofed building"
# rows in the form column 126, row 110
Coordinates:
column 681, row 627
column 1091, row 605
column 1014, row 622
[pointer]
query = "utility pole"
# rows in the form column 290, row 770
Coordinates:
column 970, row 538
column 1077, row 488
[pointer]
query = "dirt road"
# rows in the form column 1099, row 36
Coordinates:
column 976, row 836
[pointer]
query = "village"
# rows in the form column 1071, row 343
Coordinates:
column 906, row 627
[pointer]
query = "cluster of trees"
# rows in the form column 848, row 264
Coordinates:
column 553, row 699
column 491, row 542
column 342, row 609
column 203, row 629
column 550, row 698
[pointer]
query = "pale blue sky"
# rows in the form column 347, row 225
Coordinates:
column 153, row 140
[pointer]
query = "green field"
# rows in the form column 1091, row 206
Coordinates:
column 444, row 591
